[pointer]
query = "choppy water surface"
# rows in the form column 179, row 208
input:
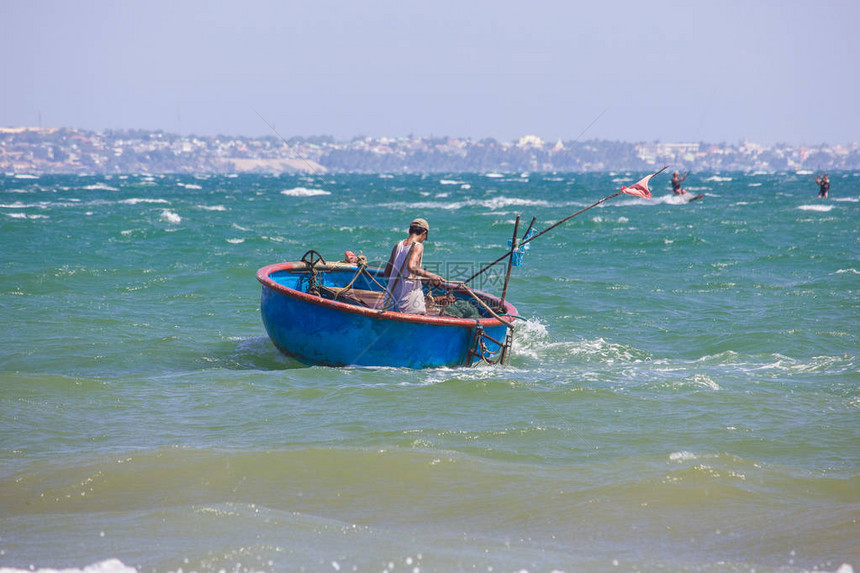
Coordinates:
column 682, row 395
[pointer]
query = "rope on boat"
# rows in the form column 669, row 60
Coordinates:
column 362, row 265
column 483, row 304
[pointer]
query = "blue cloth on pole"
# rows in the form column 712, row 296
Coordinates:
column 520, row 251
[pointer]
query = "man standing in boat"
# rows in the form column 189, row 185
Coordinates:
column 403, row 270
column 676, row 183
column 823, row 185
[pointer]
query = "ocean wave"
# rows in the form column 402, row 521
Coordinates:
column 136, row 200
column 671, row 199
column 598, row 219
column 493, row 204
column 818, row 208
column 170, row 216
column 100, row 187
column 304, row 192
column 532, row 340
column 701, row 381
column 212, row 207
column 25, row 216
column 107, row 566
column 682, row 456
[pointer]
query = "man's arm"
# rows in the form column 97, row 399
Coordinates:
column 415, row 266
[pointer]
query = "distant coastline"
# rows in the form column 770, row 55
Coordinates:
column 67, row 150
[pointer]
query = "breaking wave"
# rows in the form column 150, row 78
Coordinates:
column 304, row 192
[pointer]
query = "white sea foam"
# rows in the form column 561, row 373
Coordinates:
column 170, row 216
column 450, row 182
column 212, row 207
column 189, row 185
column 599, row 219
column 494, row 204
column 500, row 202
column 530, row 337
column 851, row 271
column 304, row 192
column 494, row 175
column 235, row 241
column 25, row 216
column 818, row 208
column 682, row 456
column 25, row 176
column 704, row 381
column 670, row 199
column 718, row 178
column 136, row 200
column 107, row 566
column 100, row 187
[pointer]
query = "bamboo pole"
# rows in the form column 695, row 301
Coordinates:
column 510, row 261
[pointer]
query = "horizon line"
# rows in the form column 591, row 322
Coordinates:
column 742, row 140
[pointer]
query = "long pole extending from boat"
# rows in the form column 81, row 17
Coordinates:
column 551, row 227
column 510, row 253
column 510, row 261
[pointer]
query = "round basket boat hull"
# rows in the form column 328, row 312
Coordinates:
column 318, row 331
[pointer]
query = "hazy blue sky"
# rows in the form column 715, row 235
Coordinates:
column 768, row 71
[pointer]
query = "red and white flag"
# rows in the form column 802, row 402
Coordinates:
column 640, row 189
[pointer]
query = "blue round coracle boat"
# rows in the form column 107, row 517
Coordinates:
column 333, row 314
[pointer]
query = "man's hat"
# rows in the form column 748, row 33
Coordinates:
column 421, row 224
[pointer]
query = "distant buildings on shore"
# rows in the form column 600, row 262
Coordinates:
column 51, row 150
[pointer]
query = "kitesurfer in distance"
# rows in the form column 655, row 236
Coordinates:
column 676, row 183
column 823, row 185
column 404, row 292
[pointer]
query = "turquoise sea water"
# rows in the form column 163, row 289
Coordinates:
column 684, row 394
